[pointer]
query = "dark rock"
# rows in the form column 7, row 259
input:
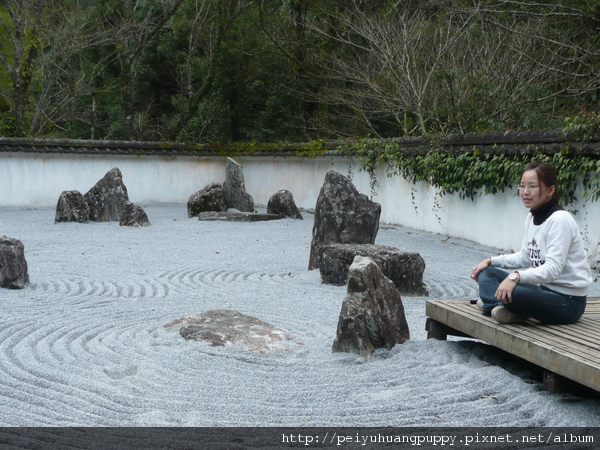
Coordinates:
column 224, row 327
column 235, row 188
column 342, row 215
column 211, row 198
column 106, row 200
column 13, row 266
column 405, row 269
column 134, row 216
column 237, row 216
column 72, row 207
column 282, row 203
column 372, row 314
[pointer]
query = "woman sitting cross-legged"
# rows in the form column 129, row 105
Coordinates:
column 553, row 274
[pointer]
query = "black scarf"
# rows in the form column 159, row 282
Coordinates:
column 543, row 212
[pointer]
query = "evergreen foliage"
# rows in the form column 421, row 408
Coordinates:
column 295, row 70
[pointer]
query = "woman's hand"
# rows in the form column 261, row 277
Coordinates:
column 505, row 290
column 479, row 267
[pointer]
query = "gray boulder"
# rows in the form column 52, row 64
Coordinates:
column 235, row 188
column 372, row 314
column 282, row 203
column 404, row 269
column 106, row 199
column 223, row 327
column 342, row 215
column 210, row 198
column 72, row 207
column 134, row 216
column 13, row 266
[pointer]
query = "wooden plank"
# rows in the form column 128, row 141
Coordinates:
column 579, row 335
column 572, row 351
column 552, row 337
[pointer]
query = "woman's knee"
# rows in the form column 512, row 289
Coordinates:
column 493, row 273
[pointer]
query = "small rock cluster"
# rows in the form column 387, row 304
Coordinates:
column 106, row 201
column 343, row 249
column 230, row 201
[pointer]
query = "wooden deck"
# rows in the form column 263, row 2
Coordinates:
column 569, row 351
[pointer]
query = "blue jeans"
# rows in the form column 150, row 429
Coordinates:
column 535, row 301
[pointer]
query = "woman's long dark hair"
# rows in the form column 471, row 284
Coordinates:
column 546, row 174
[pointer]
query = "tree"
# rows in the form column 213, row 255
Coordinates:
column 566, row 34
column 129, row 26
column 205, row 24
column 19, row 50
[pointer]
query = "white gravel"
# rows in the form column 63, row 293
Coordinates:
column 84, row 343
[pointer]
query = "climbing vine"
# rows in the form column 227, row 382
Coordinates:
column 471, row 172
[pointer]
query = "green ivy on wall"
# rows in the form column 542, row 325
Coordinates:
column 469, row 173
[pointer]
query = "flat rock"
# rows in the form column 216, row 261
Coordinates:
column 237, row 216
column 223, row 327
column 404, row 269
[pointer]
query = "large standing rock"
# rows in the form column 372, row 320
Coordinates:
column 71, row 207
column 210, row 198
column 235, row 188
column 225, row 327
column 282, row 203
column 134, row 216
column 342, row 215
column 13, row 266
column 107, row 198
column 405, row 269
column 372, row 314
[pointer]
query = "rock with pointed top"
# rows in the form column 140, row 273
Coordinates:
column 342, row 215
column 106, row 199
column 372, row 314
column 13, row 266
column 235, row 188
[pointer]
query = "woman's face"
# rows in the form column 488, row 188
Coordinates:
column 533, row 192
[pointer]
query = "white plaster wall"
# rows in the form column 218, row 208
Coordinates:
column 494, row 220
column 38, row 180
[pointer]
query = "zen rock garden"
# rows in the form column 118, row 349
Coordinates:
column 343, row 249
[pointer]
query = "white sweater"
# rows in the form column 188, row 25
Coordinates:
column 553, row 255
